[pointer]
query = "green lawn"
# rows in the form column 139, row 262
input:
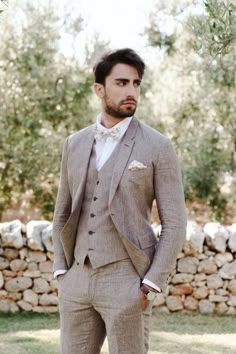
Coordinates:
column 28, row 333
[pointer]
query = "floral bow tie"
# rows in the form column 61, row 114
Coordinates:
column 113, row 133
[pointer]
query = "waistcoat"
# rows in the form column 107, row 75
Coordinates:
column 97, row 236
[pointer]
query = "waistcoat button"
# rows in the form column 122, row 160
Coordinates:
column 92, row 215
column 95, row 198
column 91, row 232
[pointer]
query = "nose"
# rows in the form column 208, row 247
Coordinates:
column 132, row 91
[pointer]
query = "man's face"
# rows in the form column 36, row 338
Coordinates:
column 121, row 91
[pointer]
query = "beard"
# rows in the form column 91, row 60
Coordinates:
column 117, row 111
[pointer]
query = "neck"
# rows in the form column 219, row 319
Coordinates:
column 109, row 121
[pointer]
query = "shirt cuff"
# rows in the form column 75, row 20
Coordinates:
column 151, row 284
column 59, row 272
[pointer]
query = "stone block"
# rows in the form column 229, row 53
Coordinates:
column 47, row 276
column 214, row 281
column 221, row 308
column 198, row 284
column 232, row 238
column 232, row 242
column 48, row 299
column 11, row 234
column 232, row 301
column 25, row 306
column 162, row 309
column 4, row 263
column 228, row 271
column 217, row 236
column 3, row 294
column 37, row 256
column 188, row 265
column 200, row 293
column 14, row 296
column 190, row 303
column 32, row 266
column 23, row 253
column 8, row 306
column 159, row 300
column 18, row 264
column 207, row 266
column 206, row 307
column 41, row 286
column 217, row 298
column 10, row 253
column 222, row 292
column 34, row 231
column 183, row 289
column 47, row 238
column 18, row 284
column 45, row 267
column 200, row 277
column 9, row 274
column 222, row 258
column 232, row 286
column 231, row 311
column 53, row 285
column 195, row 238
column 32, row 274
column 31, row 297
column 174, row 303
column 182, row 278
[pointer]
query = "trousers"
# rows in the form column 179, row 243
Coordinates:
column 95, row 303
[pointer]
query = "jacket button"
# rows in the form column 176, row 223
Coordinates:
column 92, row 215
column 95, row 198
column 91, row 232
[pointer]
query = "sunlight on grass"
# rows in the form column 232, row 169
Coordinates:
column 228, row 340
column 170, row 334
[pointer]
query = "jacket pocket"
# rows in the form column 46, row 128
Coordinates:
column 147, row 240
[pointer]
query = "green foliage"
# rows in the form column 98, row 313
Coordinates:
column 198, row 105
column 44, row 97
column 159, row 39
column 216, row 30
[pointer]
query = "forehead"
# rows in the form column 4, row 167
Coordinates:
column 123, row 71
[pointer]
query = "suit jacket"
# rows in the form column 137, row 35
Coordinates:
column 130, row 200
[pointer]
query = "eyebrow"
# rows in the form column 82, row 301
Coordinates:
column 127, row 80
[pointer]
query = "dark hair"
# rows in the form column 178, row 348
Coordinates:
column 104, row 65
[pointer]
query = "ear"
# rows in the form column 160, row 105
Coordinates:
column 98, row 89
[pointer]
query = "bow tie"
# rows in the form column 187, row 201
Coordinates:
column 113, row 133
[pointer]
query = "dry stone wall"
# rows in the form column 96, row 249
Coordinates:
column 204, row 279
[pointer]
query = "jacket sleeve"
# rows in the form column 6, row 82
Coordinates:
column 171, row 208
column 62, row 212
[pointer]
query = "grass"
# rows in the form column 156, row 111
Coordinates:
column 27, row 333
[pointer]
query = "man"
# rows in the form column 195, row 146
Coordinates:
column 108, row 261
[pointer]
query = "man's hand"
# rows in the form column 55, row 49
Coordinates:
column 60, row 276
column 144, row 289
column 144, row 300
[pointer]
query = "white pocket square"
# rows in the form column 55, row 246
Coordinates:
column 136, row 165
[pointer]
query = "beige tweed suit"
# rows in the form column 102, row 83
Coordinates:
column 130, row 201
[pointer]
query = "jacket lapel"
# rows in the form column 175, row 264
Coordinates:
column 126, row 147
column 84, row 149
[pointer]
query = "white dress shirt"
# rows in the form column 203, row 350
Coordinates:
column 104, row 148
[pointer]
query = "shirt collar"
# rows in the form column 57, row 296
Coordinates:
column 122, row 125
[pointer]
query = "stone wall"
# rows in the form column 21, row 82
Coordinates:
column 204, row 279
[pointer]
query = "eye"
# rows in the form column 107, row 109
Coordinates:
column 137, row 83
column 121, row 83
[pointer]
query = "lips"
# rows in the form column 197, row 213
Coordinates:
column 129, row 102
